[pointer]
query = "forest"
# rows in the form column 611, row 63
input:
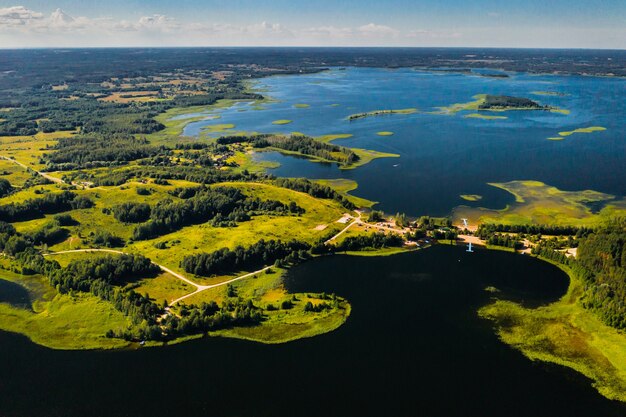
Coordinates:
column 253, row 257
column 601, row 264
column 48, row 204
column 301, row 144
column 224, row 205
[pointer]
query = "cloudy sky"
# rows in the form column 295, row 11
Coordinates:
column 496, row 23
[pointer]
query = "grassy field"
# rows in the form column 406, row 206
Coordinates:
column 204, row 237
column 566, row 334
column 29, row 149
column 59, row 321
column 539, row 203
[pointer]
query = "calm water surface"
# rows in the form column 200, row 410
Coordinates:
column 413, row 346
column 445, row 156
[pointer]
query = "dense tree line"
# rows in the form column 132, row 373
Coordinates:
column 500, row 102
column 131, row 212
column 222, row 204
column 202, row 175
column 301, row 144
column 533, row 229
column 306, row 145
column 92, row 151
column 257, row 255
column 210, row 317
column 5, row 188
column 602, row 257
column 372, row 241
column 103, row 276
column 504, row 240
column 48, row 204
column 316, row 190
column 601, row 264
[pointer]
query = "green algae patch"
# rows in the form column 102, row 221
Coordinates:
column 218, row 128
column 484, row 116
column 385, row 133
column 566, row 334
column 330, row 138
column 471, row 197
column 539, row 203
column 282, row 122
column 590, row 129
column 556, row 138
column 549, row 93
column 301, row 106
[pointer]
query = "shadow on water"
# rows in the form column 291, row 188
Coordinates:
column 413, row 346
column 14, row 294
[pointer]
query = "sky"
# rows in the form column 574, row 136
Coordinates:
column 448, row 23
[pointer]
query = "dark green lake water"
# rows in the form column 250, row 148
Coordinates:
column 413, row 346
column 442, row 156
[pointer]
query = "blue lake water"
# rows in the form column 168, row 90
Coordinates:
column 443, row 156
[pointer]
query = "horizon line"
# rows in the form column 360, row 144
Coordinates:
column 309, row 47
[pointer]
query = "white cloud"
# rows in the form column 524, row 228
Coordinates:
column 17, row 16
column 23, row 27
column 372, row 29
column 157, row 22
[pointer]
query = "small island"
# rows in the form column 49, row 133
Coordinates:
column 498, row 103
column 380, row 113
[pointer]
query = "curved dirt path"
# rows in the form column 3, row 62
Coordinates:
column 43, row 174
column 199, row 287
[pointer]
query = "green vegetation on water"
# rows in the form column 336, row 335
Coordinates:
column 282, row 122
column 484, row 116
column 380, row 113
column 384, row 133
column 590, row 129
column 471, row 197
